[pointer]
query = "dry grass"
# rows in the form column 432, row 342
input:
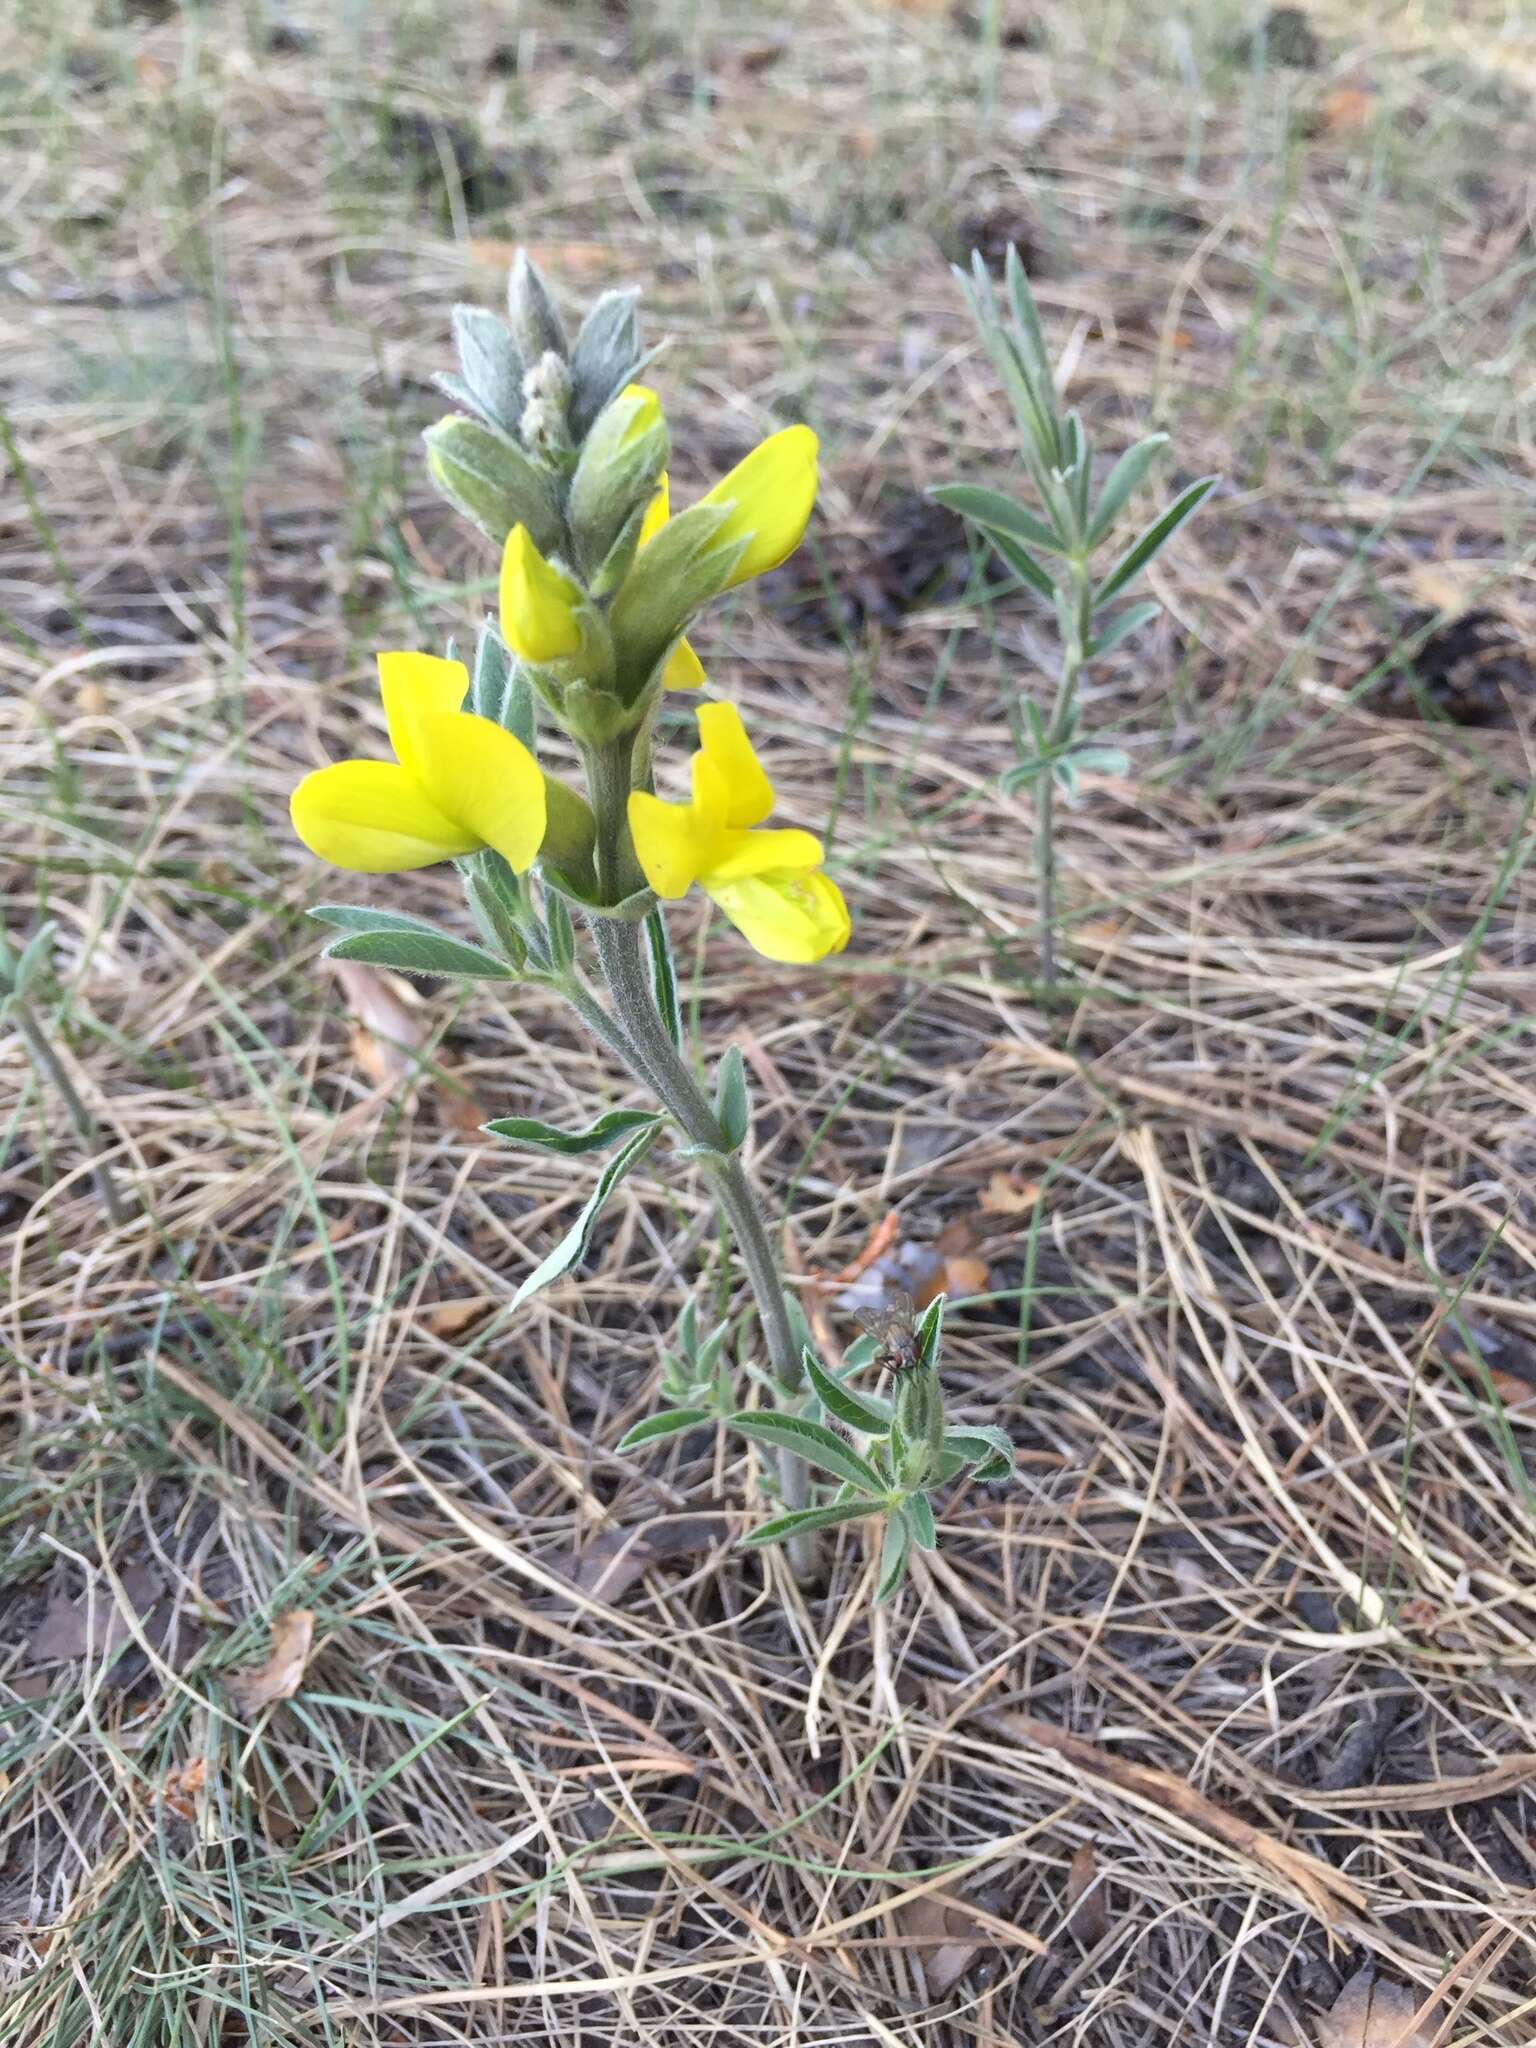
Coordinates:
column 1234, row 1688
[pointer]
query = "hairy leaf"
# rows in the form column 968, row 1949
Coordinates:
column 418, row 949
column 527, row 1130
column 817, row 1444
column 1146, row 544
column 856, row 1410
column 807, row 1518
column 670, row 1422
column 574, row 1243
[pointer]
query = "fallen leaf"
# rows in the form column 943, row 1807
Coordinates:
column 611, row 1563
column 1344, row 110
column 387, row 1033
column 95, row 1626
column 963, row 1276
column 948, row 1934
column 453, row 1318
column 1087, row 1905
column 281, row 1672
column 180, row 1790
column 1005, row 1196
column 1370, row 2014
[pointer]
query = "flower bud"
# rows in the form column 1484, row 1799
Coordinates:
column 616, row 473
column 540, row 605
column 545, row 425
column 487, row 477
column 918, row 1424
column 536, row 325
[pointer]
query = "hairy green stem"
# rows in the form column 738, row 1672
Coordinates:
column 626, row 970
column 1074, row 655
column 52, row 1069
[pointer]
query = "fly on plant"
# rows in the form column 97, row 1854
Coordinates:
column 894, row 1328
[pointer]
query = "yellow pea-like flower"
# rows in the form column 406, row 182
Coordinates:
column 770, row 494
column 458, row 783
column 539, row 603
column 769, row 884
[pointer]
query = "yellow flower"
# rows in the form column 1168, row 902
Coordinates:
column 684, row 670
column 458, row 783
column 770, row 493
column 538, row 603
column 769, row 884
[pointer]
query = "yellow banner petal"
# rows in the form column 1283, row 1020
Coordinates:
column 770, row 492
column 485, row 779
column 747, row 792
column 668, row 841
column 417, row 687
column 684, row 670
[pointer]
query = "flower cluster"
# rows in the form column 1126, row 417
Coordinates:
column 561, row 456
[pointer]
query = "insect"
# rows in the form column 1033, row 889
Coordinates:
column 894, row 1328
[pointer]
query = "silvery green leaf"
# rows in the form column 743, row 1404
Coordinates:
column 918, row 1511
column 688, row 1330
column 34, row 958
column 996, row 514
column 615, row 1124
column 791, row 1524
column 684, row 566
column 485, row 475
column 663, row 973
column 860, row 1353
column 893, row 1556
column 814, row 1442
column 930, row 1331
column 1122, row 483
column 1064, row 770
column 536, row 323
column 1023, row 565
column 1146, row 544
column 1105, row 760
column 1026, row 317
column 1015, row 779
column 463, row 398
column 670, row 1422
column 858, row 1411
column 501, row 690
column 616, row 474
column 559, row 932
column 983, row 1445
column 420, row 952
column 493, row 369
column 605, row 356
column 574, row 1243
column 361, row 917
column 1123, row 624
column 497, row 920
column 733, row 1110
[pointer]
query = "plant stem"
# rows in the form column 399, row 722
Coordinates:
column 1074, row 655
column 621, row 955
column 52, row 1069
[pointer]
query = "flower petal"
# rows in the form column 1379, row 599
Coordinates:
column 374, row 818
column 647, row 413
column 538, row 602
column 770, row 493
column 668, row 840
column 485, row 779
column 793, row 918
column 760, row 853
column 416, row 688
column 684, row 670
column 746, row 794
column 658, row 512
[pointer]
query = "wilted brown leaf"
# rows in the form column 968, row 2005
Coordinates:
column 1370, row 2014
column 1005, row 1196
column 80, row 1625
column 281, row 1673
column 387, row 1032
column 1087, row 1904
column 611, row 1563
column 181, row 1789
column 949, row 1937
column 453, row 1318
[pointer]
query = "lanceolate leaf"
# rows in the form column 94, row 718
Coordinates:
column 893, row 1556
column 663, row 974
column 919, row 1519
column 732, row 1109
column 1131, row 620
column 1023, row 564
column 527, row 1130
column 574, row 1243
column 930, row 1331
column 817, row 1444
column 1147, row 544
column 995, row 514
column 670, row 1422
column 1122, row 484
column 419, row 952
column 808, row 1518
column 983, row 1445
column 855, row 1410
column 358, row 917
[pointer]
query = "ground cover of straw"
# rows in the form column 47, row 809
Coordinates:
column 1232, row 1690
